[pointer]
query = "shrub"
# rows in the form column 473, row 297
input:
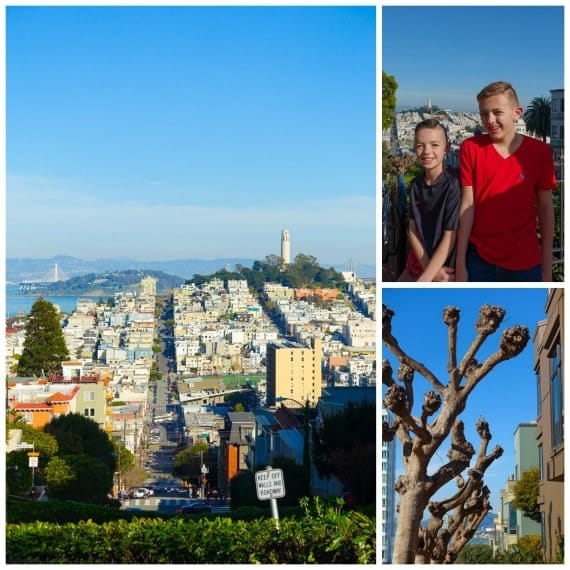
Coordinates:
column 323, row 535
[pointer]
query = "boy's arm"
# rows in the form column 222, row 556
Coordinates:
column 439, row 256
column 417, row 244
column 546, row 228
column 466, row 213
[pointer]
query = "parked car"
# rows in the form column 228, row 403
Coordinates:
column 194, row 507
column 140, row 494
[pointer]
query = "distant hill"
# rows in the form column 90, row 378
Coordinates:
column 110, row 282
column 29, row 269
column 34, row 269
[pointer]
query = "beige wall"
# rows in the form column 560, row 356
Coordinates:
column 294, row 373
column 551, row 492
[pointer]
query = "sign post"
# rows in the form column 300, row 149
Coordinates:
column 33, row 462
column 270, row 484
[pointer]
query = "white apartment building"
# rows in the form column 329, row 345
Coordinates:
column 359, row 333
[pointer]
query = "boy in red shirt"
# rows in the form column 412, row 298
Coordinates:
column 506, row 181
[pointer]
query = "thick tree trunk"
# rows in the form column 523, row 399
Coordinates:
column 412, row 505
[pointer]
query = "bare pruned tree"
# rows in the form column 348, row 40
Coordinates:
column 421, row 436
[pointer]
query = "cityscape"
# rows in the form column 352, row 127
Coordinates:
column 190, row 338
column 198, row 387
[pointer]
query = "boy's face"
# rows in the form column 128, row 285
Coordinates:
column 430, row 146
column 499, row 113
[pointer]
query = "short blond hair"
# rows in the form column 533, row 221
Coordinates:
column 499, row 88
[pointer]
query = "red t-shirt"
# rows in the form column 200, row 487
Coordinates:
column 504, row 198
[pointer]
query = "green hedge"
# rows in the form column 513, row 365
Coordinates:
column 322, row 536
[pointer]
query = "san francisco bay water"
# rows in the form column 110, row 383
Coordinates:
column 17, row 303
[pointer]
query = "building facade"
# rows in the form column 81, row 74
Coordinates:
column 235, row 438
column 549, row 367
column 294, row 372
column 557, row 129
column 511, row 524
column 388, row 495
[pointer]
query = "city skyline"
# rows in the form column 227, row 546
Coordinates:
column 512, row 382
column 191, row 132
column 451, row 61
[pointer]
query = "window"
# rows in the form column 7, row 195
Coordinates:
column 89, row 412
column 538, row 393
column 89, row 396
column 540, row 456
column 556, row 394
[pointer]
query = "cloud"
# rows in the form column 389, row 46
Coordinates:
column 47, row 218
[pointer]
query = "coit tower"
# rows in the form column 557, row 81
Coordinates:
column 285, row 247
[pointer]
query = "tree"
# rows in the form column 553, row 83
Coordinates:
column 44, row 345
column 389, row 88
column 421, row 440
column 527, row 550
column 344, row 446
column 86, row 460
column 526, row 494
column 18, row 472
column 537, row 117
column 297, row 480
column 476, row 554
column 59, row 475
column 125, row 459
column 78, row 435
column 79, row 477
column 243, row 491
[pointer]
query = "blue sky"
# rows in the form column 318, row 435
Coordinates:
column 449, row 53
column 191, row 132
column 505, row 397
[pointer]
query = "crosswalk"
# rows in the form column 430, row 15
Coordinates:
column 165, row 504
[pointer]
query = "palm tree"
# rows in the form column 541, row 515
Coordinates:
column 537, row 117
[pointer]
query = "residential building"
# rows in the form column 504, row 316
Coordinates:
column 294, row 371
column 277, row 433
column 512, row 524
column 235, row 440
column 148, row 286
column 41, row 400
column 549, row 368
column 557, row 129
column 388, row 494
column 526, row 457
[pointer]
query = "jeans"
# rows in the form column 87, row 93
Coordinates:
column 480, row 270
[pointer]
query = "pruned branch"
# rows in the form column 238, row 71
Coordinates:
column 396, row 400
column 406, row 375
column 397, row 351
column 513, row 341
column 387, row 378
column 432, row 403
column 489, row 320
column 451, row 318
column 388, row 431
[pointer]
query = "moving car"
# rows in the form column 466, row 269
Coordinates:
column 194, row 507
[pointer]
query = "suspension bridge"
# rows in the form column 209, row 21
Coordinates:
column 54, row 275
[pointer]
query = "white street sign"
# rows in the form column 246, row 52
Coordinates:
column 270, row 484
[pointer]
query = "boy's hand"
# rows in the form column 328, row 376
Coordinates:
column 461, row 273
column 445, row 274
